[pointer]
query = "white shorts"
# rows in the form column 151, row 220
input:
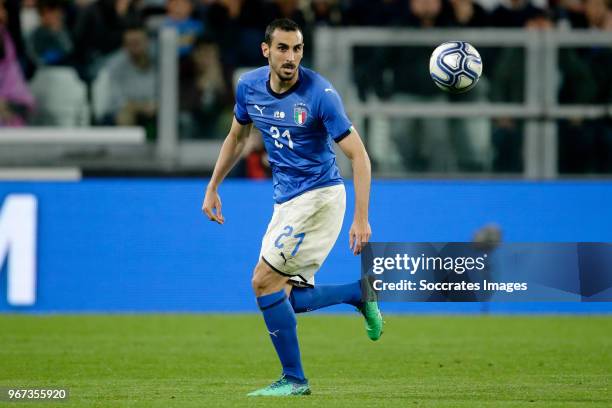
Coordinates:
column 302, row 232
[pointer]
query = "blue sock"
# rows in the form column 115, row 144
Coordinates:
column 308, row 299
column 282, row 326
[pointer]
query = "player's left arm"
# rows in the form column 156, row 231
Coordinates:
column 353, row 148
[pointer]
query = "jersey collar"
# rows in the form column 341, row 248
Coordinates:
column 288, row 91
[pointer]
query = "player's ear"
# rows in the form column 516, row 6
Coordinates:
column 265, row 49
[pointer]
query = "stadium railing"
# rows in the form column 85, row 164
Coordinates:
column 334, row 58
column 59, row 152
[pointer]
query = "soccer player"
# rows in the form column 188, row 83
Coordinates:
column 299, row 114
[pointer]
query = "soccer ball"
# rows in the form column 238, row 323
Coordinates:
column 455, row 66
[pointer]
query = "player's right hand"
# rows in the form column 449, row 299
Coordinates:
column 212, row 206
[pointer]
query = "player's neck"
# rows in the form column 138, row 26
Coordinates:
column 279, row 86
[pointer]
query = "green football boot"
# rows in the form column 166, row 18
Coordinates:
column 282, row 388
column 373, row 319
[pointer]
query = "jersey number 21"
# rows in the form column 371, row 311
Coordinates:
column 276, row 134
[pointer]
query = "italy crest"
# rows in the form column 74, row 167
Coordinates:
column 300, row 114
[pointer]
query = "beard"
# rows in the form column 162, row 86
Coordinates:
column 284, row 75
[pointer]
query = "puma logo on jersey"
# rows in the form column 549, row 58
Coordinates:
column 329, row 90
column 260, row 109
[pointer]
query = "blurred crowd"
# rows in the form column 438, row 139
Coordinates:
column 93, row 62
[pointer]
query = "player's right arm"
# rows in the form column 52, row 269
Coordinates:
column 231, row 151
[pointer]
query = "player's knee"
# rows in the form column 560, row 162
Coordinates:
column 262, row 286
column 266, row 281
column 259, row 281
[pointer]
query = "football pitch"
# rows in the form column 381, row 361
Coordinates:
column 214, row 360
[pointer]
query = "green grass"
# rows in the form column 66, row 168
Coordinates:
column 214, row 360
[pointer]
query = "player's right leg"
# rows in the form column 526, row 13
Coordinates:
column 269, row 287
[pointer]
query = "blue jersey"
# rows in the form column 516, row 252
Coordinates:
column 297, row 126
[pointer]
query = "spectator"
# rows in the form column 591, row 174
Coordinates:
column 368, row 62
column 29, row 17
column 587, row 14
column 598, row 14
column 203, row 94
column 467, row 14
column 238, row 26
column 290, row 9
column 511, row 13
column 508, row 86
column 201, row 8
column 585, row 146
column 133, row 83
column 99, row 33
column 423, row 143
column 325, row 13
column 16, row 101
column 515, row 13
column 13, row 26
column 178, row 15
column 372, row 12
column 408, row 73
column 49, row 43
column 466, row 132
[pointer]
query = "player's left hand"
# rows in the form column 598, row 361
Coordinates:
column 359, row 235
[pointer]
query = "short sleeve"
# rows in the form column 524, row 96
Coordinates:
column 331, row 112
column 240, row 110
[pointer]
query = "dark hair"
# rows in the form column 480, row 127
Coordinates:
column 283, row 24
column 49, row 5
column 134, row 24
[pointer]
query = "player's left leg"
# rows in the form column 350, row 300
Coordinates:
column 309, row 299
column 269, row 287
